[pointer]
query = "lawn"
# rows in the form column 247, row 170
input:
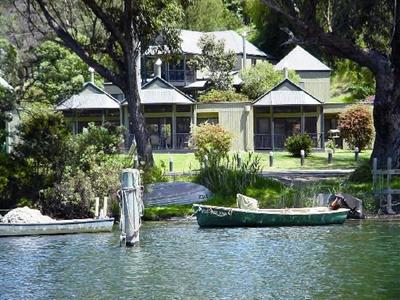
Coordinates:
column 342, row 159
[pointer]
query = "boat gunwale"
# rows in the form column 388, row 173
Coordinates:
column 271, row 212
column 60, row 222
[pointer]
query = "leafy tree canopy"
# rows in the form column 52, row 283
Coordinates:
column 57, row 74
column 215, row 61
column 210, row 15
column 262, row 77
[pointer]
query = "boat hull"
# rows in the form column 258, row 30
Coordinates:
column 57, row 227
column 213, row 216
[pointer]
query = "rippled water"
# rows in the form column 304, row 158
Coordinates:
column 177, row 260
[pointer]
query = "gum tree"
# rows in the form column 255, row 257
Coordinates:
column 109, row 36
column 366, row 32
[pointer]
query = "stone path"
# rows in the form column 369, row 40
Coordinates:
column 167, row 193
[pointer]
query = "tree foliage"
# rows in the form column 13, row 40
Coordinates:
column 222, row 96
column 210, row 142
column 356, row 126
column 365, row 32
column 261, row 78
column 57, row 73
column 116, row 33
column 352, row 79
column 210, row 15
column 215, row 61
column 267, row 34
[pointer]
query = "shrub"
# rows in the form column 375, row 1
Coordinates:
column 211, row 141
column 107, row 139
column 262, row 77
column 222, row 96
column 228, row 177
column 294, row 144
column 98, row 175
column 153, row 174
column 71, row 198
column 41, row 152
column 356, row 126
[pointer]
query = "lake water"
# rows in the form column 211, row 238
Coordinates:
column 178, row 260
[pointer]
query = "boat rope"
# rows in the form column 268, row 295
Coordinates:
column 217, row 213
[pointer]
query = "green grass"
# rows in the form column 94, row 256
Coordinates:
column 343, row 98
column 167, row 212
column 342, row 159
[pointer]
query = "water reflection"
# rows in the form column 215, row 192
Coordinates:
column 180, row 261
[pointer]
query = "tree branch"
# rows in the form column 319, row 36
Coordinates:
column 106, row 19
column 332, row 43
column 71, row 43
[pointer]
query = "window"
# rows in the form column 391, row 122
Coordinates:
column 157, row 108
column 183, row 108
column 183, row 124
column 309, row 109
column 310, row 125
column 160, row 131
column 211, row 118
column 262, row 110
column 263, row 126
column 91, row 112
column 286, row 109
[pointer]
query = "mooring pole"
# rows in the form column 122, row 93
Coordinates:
column 132, row 206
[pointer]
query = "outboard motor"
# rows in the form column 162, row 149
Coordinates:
column 339, row 201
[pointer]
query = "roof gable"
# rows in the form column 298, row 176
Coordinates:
column 90, row 97
column 300, row 60
column 159, row 91
column 286, row 93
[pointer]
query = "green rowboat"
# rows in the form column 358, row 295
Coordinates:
column 214, row 216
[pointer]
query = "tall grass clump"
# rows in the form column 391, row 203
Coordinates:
column 230, row 175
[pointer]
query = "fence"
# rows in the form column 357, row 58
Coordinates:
column 382, row 185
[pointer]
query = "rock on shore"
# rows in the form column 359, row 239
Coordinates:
column 25, row 215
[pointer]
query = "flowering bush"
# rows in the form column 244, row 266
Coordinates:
column 211, row 141
column 356, row 126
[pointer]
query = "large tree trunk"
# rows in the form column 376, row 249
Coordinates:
column 136, row 118
column 387, row 120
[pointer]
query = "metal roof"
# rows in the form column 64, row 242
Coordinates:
column 233, row 41
column 286, row 93
column 91, row 97
column 159, row 91
column 300, row 60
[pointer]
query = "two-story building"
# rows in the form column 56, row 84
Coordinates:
column 171, row 113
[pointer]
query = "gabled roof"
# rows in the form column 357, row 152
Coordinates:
column 300, row 60
column 90, row 97
column 159, row 91
column 233, row 41
column 286, row 93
